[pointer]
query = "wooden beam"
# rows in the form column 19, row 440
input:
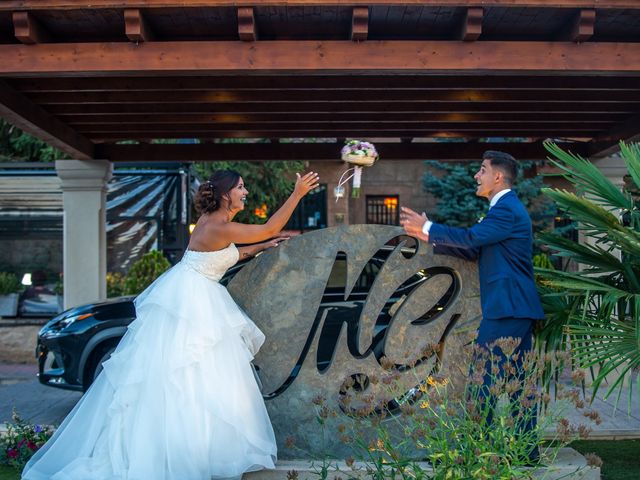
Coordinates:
column 472, row 24
column 18, row 110
column 515, row 132
column 315, row 117
column 303, row 96
column 247, row 30
column 321, row 57
column 115, row 4
column 345, row 107
column 582, row 25
column 333, row 82
column 362, row 124
column 324, row 152
column 359, row 24
column 136, row 26
column 28, row 29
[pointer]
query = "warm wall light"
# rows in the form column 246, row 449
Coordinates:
column 391, row 202
column 26, row 279
column 261, row 212
column 192, row 227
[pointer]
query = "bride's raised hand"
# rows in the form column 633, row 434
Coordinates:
column 306, row 183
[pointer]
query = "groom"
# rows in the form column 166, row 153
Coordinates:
column 502, row 243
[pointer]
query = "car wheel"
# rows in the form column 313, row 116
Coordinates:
column 95, row 368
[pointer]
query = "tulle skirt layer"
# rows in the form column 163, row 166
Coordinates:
column 177, row 400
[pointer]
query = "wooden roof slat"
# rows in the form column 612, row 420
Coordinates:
column 31, row 118
column 340, row 125
column 374, row 118
column 330, row 130
column 423, row 97
column 329, row 82
column 345, row 107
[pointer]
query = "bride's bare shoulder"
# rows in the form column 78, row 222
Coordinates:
column 208, row 235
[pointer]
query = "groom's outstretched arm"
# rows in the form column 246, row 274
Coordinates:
column 496, row 227
column 414, row 224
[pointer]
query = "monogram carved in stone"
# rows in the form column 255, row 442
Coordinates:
column 333, row 303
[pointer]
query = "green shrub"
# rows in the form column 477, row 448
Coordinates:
column 115, row 285
column 144, row 272
column 9, row 283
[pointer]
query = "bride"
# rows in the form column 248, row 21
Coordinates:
column 178, row 398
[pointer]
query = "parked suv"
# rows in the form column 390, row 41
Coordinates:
column 73, row 345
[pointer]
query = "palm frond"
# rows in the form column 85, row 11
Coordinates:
column 583, row 210
column 588, row 179
column 594, row 257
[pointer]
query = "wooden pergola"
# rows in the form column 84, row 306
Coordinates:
column 88, row 76
column 105, row 80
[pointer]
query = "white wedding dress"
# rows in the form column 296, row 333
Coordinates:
column 178, row 398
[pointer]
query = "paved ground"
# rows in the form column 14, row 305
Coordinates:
column 19, row 389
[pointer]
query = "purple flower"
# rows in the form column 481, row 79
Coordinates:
column 38, row 429
column 12, row 453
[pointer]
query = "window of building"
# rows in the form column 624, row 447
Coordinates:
column 383, row 209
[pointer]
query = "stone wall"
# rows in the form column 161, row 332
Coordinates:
column 29, row 255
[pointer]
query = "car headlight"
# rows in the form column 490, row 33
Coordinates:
column 55, row 326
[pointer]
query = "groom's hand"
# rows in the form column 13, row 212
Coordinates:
column 413, row 223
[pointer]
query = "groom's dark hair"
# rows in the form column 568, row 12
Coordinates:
column 503, row 162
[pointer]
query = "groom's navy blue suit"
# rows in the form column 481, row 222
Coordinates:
column 502, row 243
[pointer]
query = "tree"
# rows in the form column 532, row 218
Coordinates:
column 18, row 146
column 458, row 205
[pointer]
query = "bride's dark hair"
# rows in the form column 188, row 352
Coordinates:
column 210, row 193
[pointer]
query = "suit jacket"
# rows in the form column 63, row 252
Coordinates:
column 502, row 243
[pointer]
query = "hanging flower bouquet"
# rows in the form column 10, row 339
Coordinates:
column 360, row 154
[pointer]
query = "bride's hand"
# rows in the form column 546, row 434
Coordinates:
column 306, row 183
column 274, row 242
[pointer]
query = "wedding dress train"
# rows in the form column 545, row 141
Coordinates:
column 178, row 398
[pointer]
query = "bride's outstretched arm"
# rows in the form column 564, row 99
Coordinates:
column 241, row 233
column 247, row 251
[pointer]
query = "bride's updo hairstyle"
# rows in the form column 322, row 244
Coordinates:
column 210, row 193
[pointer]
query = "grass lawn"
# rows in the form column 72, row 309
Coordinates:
column 8, row 473
column 621, row 457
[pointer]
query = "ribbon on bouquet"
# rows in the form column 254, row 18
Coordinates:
column 356, row 174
